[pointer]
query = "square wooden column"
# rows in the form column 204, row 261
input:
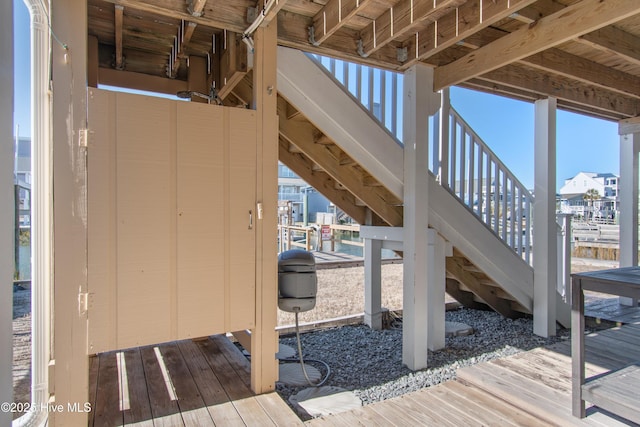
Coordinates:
column 629, row 131
column 6, row 214
column 419, row 102
column 70, row 382
column 264, row 339
column 373, row 283
column 545, row 248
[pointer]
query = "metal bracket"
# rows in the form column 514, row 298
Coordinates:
column 312, row 36
column 402, row 54
column 83, row 303
column 360, row 49
column 83, row 138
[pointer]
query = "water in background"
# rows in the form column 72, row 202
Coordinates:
column 24, row 268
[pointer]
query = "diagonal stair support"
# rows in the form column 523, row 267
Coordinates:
column 330, row 109
column 301, row 135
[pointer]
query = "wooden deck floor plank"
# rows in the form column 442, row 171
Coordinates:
column 441, row 397
column 434, row 408
column 406, row 410
column 164, row 409
column 140, row 407
column 502, row 410
column 190, row 402
column 277, row 409
column 252, row 412
column 107, row 409
column 225, row 414
column 467, row 410
column 235, row 358
column 367, row 417
column 94, row 364
column 519, row 392
column 211, row 390
column 234, row 385
column 622, row 344
column 596, row 360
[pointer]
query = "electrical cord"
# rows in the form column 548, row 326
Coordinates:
column 301, row 359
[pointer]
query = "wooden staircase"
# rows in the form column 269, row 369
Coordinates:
column 318, row 160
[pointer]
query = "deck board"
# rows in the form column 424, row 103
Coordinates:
column 140, row 406
column 107, row 408
column 164, row 409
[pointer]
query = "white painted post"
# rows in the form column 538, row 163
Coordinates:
column 564, row 255
column 419, row 102
column 373, row 283
column 6, row 215
column 629, row 131
column 443, row 143
column 545, row 249
column 437, row 275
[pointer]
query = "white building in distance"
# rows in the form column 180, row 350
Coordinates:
column 573, row 197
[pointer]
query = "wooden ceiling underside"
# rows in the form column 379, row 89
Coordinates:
column 586, row 53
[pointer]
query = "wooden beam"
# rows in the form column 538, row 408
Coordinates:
column 119, row 12
column 321, row 181
column 229, row 15
column 376, row 198
column 563, row 88
column 185, row 32
column 92, row 61
column 233, row 65
column 616, row 41
column 571, row 22
column 486, row 293
column 333, row 16
column 565, row 64
column 585, row 71
column 460, row 23
column 629, row 126
column 402, row 19
column 131, row 80
column 273, row 12
column 197, row 78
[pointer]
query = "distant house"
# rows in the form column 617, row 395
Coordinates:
column 573, row 193
column 22, row 178
column 292, row 189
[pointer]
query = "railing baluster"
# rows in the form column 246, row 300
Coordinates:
column 461, row 160
column 471, row 175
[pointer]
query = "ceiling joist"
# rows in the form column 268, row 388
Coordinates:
column 569, row 23
column 458, row 24
column 401, row 19
column 616, row 41
column 118, row 20
column 332, row 17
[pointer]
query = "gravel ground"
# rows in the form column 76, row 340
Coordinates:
column 370, row 362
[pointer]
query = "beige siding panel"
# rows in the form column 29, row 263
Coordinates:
column 241, row 133
column 200, row 207
column 101, row 166
column 144, row 219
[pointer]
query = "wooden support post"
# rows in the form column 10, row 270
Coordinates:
column 373, row 283
column 71, row 377
column 629, row 153
column 264, row 339
column 197, row 77
column 437, row 276
column 419, row 103
column 234, row 64
column 6, row 215
column 545, row 249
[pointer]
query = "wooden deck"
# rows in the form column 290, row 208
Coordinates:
column 210, row 383
column 184, row 383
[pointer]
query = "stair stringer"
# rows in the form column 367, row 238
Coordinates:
column 333, row 111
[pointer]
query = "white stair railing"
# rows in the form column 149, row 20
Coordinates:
column 461, row 161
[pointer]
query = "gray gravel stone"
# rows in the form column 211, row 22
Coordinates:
column 370, row 362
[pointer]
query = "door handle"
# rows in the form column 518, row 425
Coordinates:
column 250, row 219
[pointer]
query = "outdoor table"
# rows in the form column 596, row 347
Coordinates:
column 616, row 391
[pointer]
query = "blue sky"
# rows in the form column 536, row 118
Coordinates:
column 583, row 143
